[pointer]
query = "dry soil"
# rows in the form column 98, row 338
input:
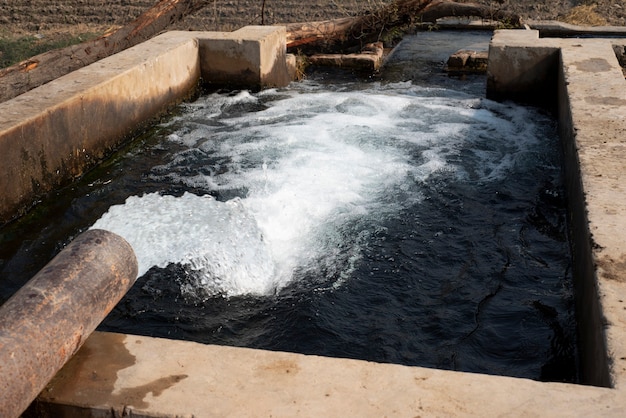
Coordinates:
column 54, row 17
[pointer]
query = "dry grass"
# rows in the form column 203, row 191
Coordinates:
column 585, row 15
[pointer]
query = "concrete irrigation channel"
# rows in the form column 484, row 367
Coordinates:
column 54, row 133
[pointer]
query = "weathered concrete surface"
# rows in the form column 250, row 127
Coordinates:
column 45, row 323
column 253, row 56
column 54, row 133
column 148, row 377
column 593, row 127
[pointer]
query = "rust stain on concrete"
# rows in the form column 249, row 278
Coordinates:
column 278, row 368
column 84, row 378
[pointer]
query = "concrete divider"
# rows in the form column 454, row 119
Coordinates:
column 592, row 124
column 251, row 57
column 522, row 69
column 45, row 323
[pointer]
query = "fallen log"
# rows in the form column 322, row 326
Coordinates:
column 50, row 65
column 340, row 34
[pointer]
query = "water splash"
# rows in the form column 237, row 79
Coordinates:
column 220, row 243
column 303, row 176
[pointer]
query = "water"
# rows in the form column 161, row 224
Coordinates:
column 387, row 221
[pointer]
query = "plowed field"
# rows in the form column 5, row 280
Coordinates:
column 50, row 16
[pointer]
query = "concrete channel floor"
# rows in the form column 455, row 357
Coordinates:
column 126, row 375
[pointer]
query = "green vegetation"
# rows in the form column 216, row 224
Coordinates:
column 16, row 49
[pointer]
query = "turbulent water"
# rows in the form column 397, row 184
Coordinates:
column 296, row 175
column 435, row 213
column 384, row 221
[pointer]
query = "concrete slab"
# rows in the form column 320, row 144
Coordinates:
column 117, row 375
column 368, row 60
column 556, row 29
column 467, row 61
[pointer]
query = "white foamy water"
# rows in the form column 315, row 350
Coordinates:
column 315, row 172
column 200, row 233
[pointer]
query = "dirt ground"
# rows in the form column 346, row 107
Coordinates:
column 57, row 17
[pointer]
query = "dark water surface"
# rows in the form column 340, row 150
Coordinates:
column 404, row 220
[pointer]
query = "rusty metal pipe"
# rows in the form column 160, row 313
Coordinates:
column 47, row 321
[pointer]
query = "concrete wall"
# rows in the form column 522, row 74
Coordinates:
column 117, row 375
column 517, row 72
column 592, row 120
column 55, row 133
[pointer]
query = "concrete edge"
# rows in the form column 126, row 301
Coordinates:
column 252, row 57
column 554, row 28
column 116, row 374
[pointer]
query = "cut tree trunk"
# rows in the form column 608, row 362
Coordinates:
column 50, row 65
column 341, row 34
